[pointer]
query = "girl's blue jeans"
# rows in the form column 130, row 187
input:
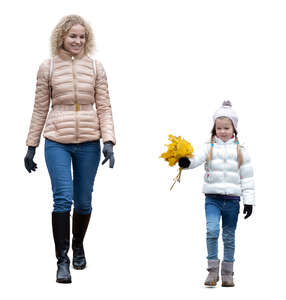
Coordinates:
column 73, row 188
column 216, row 208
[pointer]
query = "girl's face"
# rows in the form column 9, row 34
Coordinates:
column 74, row 41
column 224, row 129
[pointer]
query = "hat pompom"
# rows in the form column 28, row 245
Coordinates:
column 227, row 103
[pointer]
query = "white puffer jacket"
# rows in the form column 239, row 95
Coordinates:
column 222, row 173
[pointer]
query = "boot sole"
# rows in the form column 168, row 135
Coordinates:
column 227, row 285
column 211, row 284
column 79, row 267
column 64, row 280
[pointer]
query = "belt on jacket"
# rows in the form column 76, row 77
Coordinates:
column 72, row 107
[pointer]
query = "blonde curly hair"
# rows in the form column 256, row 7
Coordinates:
column 63, row 27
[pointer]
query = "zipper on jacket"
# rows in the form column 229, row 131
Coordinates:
column 224, row 163
column 77, row 107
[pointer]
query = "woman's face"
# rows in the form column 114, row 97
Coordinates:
column 74, row 41
column 224, row 129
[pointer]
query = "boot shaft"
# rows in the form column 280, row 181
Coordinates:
column 61, row 233
column 79, row 225
column 213, row 265
column 227, row 268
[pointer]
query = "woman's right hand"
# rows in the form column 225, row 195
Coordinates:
column 184, row 162
column 30, row 165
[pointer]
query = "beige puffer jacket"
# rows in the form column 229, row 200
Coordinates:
column 74, row 91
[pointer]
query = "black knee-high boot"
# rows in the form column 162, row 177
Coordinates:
column 61, row 232
column 79, row 227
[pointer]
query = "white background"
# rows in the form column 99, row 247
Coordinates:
column 170, row 64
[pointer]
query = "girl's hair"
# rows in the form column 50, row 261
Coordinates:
column 62, row 29
column 239, row 153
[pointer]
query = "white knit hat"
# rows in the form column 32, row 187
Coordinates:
column 226, row 111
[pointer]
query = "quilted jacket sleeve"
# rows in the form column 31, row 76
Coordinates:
column 41, row 105
column 200, row 157
column 246, row 179
column 103, row 106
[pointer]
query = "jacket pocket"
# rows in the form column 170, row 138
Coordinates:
column 208, row 177
column 50, row 126
column 95, row 120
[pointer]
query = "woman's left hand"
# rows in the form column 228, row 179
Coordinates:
column 108, row 154
column 247, row 210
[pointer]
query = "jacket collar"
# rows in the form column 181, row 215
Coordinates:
column 221, row 142
column 65, row 55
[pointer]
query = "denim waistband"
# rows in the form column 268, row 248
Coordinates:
column 223, row 197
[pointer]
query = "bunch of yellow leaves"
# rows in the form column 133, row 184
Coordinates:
column 177, row 149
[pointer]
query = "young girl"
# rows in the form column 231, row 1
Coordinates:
column 228, row 176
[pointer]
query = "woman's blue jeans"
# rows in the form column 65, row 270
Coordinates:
column 71, row 188
column 217, row 207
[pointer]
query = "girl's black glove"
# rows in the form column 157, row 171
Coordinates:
column 247, row 210
column 184, row 162
column 29, row 163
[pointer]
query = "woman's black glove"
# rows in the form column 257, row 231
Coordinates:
column 247, row 210
column 29, row 163
column 184, row 162
column 108, row 153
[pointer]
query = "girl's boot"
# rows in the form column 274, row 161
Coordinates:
column 213, row 276
column 227, row 274
column 61, row 233
column 79, row 227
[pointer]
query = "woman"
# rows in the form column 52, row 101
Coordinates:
column 73, row 129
